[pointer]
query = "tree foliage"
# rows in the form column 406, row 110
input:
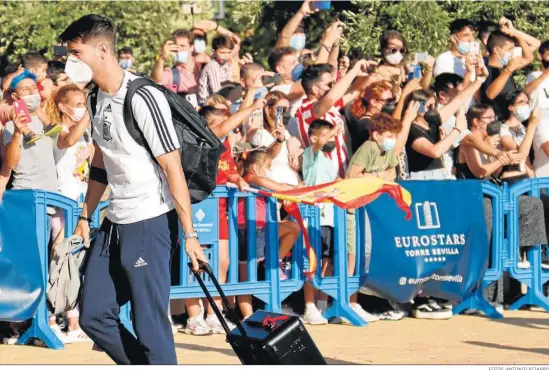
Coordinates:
column 145, row 25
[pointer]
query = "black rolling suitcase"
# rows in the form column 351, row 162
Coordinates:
column 265, row 338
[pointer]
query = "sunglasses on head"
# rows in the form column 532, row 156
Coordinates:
column 394, row 51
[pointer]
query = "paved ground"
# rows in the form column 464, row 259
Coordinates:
column 521, row 338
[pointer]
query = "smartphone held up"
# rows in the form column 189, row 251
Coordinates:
column 19, row 108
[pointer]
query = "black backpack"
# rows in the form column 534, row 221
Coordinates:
column 200, row 149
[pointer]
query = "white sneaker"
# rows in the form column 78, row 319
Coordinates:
column 198, row 326
column 77, row 336
column 524, row 264
column 366, row 316
column 314, row 317
column 11, row 340
column 393, row 315
column 287, row 310
column 215, row 325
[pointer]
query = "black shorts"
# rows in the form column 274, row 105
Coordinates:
column 327, row 239
column 259, row 245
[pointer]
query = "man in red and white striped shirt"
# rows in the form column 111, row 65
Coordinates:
column 324, row 101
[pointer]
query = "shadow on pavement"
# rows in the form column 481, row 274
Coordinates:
column 526, row 322
column 230, row 352
column 541, row 351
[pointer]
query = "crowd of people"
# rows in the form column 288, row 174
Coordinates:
column 311, row 117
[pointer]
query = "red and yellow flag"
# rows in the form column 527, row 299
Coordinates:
column 346, row 194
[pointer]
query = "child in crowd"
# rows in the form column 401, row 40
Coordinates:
column 377, row 157
column 256, row 166
column 318, row 168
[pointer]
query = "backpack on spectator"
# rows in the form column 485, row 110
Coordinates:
column 200, row 149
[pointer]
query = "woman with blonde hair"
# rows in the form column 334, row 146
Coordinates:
column 72, row 152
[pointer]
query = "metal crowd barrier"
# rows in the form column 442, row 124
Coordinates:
column 272, row 291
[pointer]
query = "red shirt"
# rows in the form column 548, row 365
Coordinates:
column 227, row 166
column 305, row 117
column 260, row 212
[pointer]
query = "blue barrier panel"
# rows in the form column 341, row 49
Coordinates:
column 533, row 277
column 269, row 290
column 39, row 328
column 476, row 300
column 24, row 224
column 21, row 283
column 340, row 286
column 441, row 252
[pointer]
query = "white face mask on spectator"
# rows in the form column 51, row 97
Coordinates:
column 394, row 59
column 78, row 71
column 77, row 113
column 32, row 101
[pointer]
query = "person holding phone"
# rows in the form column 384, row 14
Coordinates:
column 273, row 136
column 183, row 76
column 502, row 65
column 463, row 45
column 32, row 165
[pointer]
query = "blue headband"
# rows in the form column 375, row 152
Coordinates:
column 23, row 76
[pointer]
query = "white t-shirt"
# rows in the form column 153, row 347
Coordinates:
column 73, row 167
column 139, row 188
column 517, row 134
column 540, row 97
column 448, row 63
column 541, row 161
column 281, row 171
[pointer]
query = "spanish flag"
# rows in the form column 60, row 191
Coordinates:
column 346, row 194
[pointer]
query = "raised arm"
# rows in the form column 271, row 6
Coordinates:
column 530, row 88
column 329, row 42
column 425, row 147
column 158, row 68
column 533, row 43
column 237, row 119
column 294, row 22
column 480, row 170
column 464, row 96
column 524, row 149
column 409, row 116
column 338, row 91
column 69, row 137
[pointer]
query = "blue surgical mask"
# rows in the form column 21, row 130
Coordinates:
column 464, row 47
column 389, row 144
column 182, row 57
column 297, row 72
column 199, row 46
column 260, row 93
column 506, row 58
column 298, row 41
column 523, row 113
column 125, row 63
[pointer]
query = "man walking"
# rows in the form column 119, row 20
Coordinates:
column 130, row 258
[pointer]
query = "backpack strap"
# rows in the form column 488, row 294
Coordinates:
column 176, row 78
column 129, row 119
column 92, row 98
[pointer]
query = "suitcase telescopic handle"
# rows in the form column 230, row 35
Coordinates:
column 205, row 267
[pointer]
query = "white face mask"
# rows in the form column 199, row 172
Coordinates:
column 394, row 59
column 32, row 101
column 78, row 71
column 78, row 113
